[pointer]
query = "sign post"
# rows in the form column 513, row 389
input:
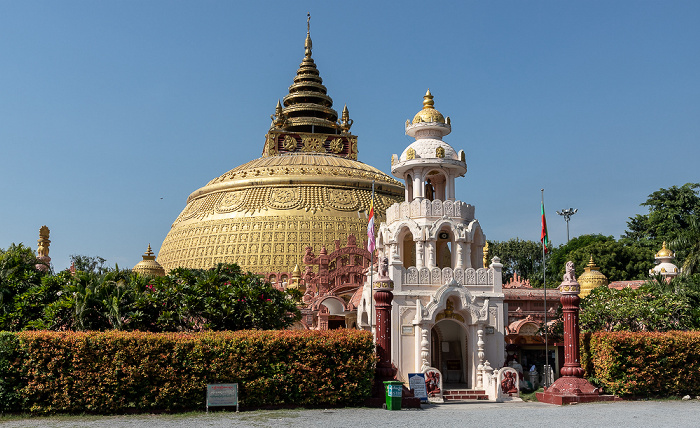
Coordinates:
column 222, row 394
column 416, row 383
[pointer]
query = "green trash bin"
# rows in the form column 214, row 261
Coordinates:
column 394, row 392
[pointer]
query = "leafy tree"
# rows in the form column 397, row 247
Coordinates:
column 648, row 308
column 93, row 264
column 670, row 212
column 221, row 298
column 618, row 262
column 20, row 283
column 688, row 242
column 521, row 256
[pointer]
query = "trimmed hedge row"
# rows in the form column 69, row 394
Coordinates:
column 643, row 364
column 112, row 372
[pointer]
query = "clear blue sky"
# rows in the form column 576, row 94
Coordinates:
column 113, row 112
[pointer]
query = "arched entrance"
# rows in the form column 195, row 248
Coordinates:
column 449, row 351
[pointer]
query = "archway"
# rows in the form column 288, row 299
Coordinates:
column 449, row 351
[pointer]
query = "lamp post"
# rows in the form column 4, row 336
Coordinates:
column 567, row 213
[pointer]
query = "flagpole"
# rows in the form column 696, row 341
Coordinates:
column 371, row 268
column 544, row 280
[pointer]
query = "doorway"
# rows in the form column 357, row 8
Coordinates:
column 449, row 351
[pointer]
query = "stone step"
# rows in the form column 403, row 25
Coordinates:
column 464, row 394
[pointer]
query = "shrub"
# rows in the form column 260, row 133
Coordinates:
column 642, row 363
column 117, row 371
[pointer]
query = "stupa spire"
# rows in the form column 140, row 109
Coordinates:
column 306, row 121
column 307, row 43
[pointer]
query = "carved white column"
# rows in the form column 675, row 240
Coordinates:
column 459, row 255
column 430, row 254
column 424, row 349
column 420, row 254
column 467, row 255
column 480, row 354
column 417, row 187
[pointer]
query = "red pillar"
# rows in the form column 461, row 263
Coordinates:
column 570, row 309
column 383, row 297
column 571, row 387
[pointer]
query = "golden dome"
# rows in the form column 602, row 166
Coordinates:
column 591, row 278
column 428, row 114
column 149, row 266
column 307, row 189
column 664, row 252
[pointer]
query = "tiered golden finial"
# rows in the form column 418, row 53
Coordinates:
column 428, row 113
column 591, row 278
column 42, row 250
column 305, row 121
column 149, row 266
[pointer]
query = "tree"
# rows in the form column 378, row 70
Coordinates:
column 617, row 261
column 523, row 257
column 670, row 213
column 20, row 283
column 93, row 264
column 656, row 306
column 688, row 242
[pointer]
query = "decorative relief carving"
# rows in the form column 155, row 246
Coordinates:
column 289, row 143
column 284, row 198
column 312, row 144
column 481, row 276
column 440, row 152
column 343, row 200
column 435, row 275
column 336, row 145
column 410, row 154
column 204, row 244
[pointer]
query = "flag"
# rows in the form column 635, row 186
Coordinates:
column 370, row 228
column 545, row 237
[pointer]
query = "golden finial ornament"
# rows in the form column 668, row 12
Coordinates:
column 278, row 119
column 428, row 114
column 307, row 43
column 664, row 252
column 486, row 255
column 346, row 122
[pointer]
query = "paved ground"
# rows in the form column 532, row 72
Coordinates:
column 465, row 414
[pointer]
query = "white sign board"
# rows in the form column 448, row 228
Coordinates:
column 222, row 394
column 416, row 383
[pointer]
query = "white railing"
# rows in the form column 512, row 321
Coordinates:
column 418, row 208
column 437, row 276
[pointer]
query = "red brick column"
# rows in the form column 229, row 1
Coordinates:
column 572, row 363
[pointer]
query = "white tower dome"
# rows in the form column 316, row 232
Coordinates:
column 429, row 165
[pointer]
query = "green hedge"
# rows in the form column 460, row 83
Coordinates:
column 643, row 364
column 112, row 372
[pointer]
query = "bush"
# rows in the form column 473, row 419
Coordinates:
column 115, row 372
column 644, row 364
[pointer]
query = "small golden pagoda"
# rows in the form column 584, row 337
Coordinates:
column 307, row 189
column 149, row 266
column 591, row 278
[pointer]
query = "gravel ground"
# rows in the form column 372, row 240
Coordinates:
column 463, row 414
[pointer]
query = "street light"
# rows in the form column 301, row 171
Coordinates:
column 567, row 213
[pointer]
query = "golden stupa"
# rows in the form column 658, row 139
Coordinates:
column 307, row 189
column 149, row 266
column 591, row 278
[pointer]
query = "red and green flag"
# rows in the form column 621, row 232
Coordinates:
column 370, row 228
column 545, row 237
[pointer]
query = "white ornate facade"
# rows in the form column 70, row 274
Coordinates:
column 448, row 307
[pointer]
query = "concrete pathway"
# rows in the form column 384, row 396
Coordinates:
column 454, row 414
